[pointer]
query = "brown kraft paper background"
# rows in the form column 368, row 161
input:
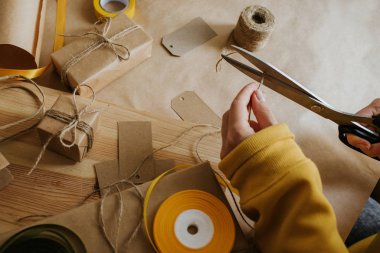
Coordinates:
column 329, row 46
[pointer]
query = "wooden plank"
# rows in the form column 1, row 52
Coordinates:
column 59, row 184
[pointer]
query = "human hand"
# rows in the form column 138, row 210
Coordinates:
column 236, row 127
column 372, row 150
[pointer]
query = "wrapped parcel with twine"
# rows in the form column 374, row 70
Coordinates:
column 103, row 54
column 254, row 28
column 68, row 128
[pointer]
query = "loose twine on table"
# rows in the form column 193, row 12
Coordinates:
column 73, row 122
column 120, row 211
column 37, row 115
column 101, row 40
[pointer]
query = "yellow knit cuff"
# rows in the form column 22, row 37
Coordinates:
column 252, row 146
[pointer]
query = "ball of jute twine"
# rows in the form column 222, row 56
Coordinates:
column 254, row 28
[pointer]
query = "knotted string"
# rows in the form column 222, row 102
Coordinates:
column 114, row 245
column 100, row 35
column 38, row 114
column 74, row 123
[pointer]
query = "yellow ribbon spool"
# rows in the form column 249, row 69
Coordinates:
column 193, row 221
column 101, row 10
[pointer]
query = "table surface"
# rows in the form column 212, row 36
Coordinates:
column 330, row 47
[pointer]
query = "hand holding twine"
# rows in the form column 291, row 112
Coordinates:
column 101, row 39
column 74, row 123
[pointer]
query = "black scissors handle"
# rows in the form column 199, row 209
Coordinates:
column 360, row 132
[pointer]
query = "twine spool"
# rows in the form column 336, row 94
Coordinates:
column 254, row 27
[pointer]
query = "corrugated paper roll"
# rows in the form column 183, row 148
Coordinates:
column 254, row 27
column 21, row 28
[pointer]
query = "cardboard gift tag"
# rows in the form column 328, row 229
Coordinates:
column 190, row 107
column 190, row 36
column 135, row 144
column 5, row 175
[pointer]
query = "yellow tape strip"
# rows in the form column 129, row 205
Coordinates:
column 60, row 25
column 58, row 43
column 100, row 12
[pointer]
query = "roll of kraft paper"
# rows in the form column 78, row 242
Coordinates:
column 110, row 8
column 21, row 30
column 254, row 28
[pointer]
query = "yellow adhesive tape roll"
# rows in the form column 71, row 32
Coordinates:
column 111, row 8
column 193, row 221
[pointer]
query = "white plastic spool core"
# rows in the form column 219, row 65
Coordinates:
column 194, row 229
column 114, row 5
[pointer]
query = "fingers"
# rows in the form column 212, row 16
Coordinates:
column 374, row 150
column 358, row 142
column 369, row 149
column 225, row 124
column 372, row 109
column 238, row 111
column 225, row 118
column 264, row 115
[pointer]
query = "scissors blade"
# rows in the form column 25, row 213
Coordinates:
column 298, row 96
column 273, row 71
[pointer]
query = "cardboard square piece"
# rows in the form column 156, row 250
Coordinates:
column 5, row 175
column 135, row 149
column 188, row 37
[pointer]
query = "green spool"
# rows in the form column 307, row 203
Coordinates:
column 46, row 238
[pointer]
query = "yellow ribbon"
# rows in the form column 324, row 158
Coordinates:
column 147, row 197
column 58, row 43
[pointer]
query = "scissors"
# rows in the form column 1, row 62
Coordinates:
column 362, row 126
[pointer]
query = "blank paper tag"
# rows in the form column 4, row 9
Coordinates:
column 188, row 37
column 190, row 107
column 5, row 175
column 135, row 143
column 107, row 174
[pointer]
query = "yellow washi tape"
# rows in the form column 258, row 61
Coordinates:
column 100, row 7
column 193, row 221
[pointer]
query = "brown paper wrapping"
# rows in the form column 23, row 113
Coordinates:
column 84, row 220
column 21, row 31
column 5, row 175
column 49, row 126
column 102, row 66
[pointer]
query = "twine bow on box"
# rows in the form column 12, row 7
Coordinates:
column 74, row 123
column 101, row 40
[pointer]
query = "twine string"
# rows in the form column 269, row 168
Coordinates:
column 140, row 195
column 74, row 124
column 114, row 244
column 37, row 115
column 121, row 51
column 254, row 27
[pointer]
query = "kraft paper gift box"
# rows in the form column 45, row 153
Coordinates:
column 84, row 220
column 51, row 126
column 103, row 65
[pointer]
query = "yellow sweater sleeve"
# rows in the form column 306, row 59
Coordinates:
column 282, row 191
